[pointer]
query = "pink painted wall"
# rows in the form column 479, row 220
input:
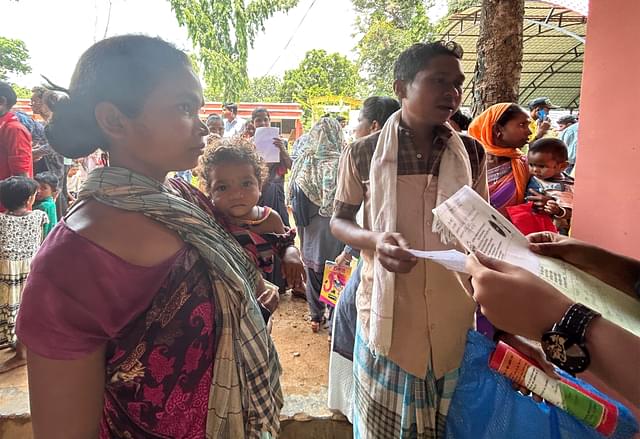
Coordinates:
column 607, row 191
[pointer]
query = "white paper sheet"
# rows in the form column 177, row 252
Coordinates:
column 613, row 304
column 264, row 144
column 478, row 226
column 450, row 259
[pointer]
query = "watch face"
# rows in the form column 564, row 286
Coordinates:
column 562, row 351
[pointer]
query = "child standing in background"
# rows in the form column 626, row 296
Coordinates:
column 20, row 237
column 75, row 179
column 548, row 159
column 45, row 198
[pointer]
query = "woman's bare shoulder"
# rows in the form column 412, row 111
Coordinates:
column 130, row 235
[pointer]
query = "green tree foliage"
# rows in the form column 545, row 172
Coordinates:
column 263, row 89
column 461, row 5
column 14, row 57
column 222, row 31
column 319, row 74
column 21, row 92
column 386, row 29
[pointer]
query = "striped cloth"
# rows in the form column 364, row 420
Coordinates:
column 245, row 396
column 502, row 187
column 390, row 403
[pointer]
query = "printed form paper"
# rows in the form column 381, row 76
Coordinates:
column 479, row 227
column 264, row 144
column 450, row 259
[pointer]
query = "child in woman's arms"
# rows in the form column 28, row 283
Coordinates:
column 548, row 158
column 233, row 173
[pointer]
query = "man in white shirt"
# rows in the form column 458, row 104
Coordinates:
column 232, row 123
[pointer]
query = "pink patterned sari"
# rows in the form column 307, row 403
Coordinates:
column 502, row 188
column 158, row 372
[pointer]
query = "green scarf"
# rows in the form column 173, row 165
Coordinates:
column 245, row 396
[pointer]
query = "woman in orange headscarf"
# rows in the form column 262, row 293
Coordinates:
column 503, row 129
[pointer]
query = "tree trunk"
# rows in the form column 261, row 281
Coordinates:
column 499, row 59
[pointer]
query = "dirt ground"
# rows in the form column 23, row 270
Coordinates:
column 304, row 355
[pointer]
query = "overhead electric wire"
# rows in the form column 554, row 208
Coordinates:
column 291, row 38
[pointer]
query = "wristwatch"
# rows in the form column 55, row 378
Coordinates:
column 564, row 345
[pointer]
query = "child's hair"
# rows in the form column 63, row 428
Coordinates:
column 16, row 191
column 556, row 147
column 7, row 92
column 418, row 57
column 48, row 178
column 230, row 150
column 38, row 91
column 48, row 97
column 122, row 70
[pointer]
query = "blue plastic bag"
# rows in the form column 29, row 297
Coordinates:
column 485, row 406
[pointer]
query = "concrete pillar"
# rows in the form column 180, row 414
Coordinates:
column 607, row 191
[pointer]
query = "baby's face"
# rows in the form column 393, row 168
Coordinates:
column 544, row 166
column 234, row 189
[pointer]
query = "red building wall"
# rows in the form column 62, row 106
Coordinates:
column 278, row 111
column 607, row 191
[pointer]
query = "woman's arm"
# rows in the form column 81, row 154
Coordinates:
column 66, row 396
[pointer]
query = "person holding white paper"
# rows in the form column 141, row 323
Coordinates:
column 519, row 302
column 413, row 315
column 273, row 187
column 273, row 190
column 373, row 115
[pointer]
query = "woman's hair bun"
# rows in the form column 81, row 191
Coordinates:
column 121, row 70
column 73, row 130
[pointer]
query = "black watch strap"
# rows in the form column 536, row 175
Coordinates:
column 576, row 321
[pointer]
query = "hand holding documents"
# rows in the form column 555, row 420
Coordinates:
column 479, row 227
column 264, row 144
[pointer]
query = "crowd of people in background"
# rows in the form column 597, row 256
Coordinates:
column 175, row 280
